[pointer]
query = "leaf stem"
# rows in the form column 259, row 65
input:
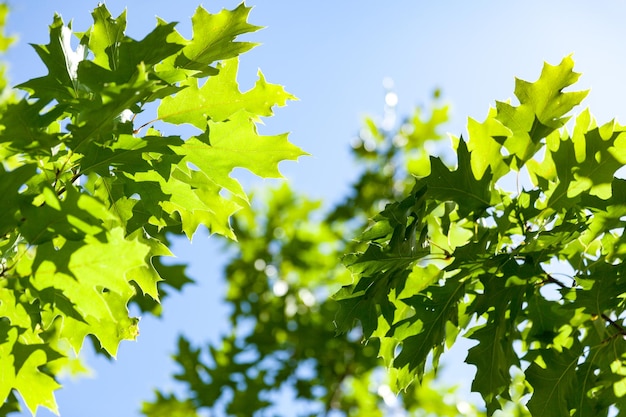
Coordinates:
column 145, row 124
column 445, row 252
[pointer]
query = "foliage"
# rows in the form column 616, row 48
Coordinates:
column 283, row 348
column 518, row 248
column 531, row 270
column 90, row 193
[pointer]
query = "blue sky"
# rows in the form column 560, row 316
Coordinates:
column 334, row 56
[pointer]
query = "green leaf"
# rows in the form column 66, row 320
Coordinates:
column 219, row 98
column 603, row 156
column 213, row 39
column 553, row 378
column 94, row 276
column 236, row 143
column 473, row 196
column 546, row 97
column 35, row 387
column 485, row 149
column 74, row 217
column 28, row 128
column 149, row 51
column 105, row 36
column 526, row 137
column 426, row 331
column 494, row 355
column 62, row 63
column 120, row 54
column 362, row 305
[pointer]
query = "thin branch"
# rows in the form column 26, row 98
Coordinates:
column 550, row 279
column 614, row 324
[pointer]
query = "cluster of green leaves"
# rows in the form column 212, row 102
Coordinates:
column 88, row 198
column 531, row 270
column 283, row 350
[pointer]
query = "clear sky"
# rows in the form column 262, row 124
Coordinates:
column 334, row 55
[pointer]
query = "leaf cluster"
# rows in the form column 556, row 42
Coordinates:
column 518, row 248
column 91, row 194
